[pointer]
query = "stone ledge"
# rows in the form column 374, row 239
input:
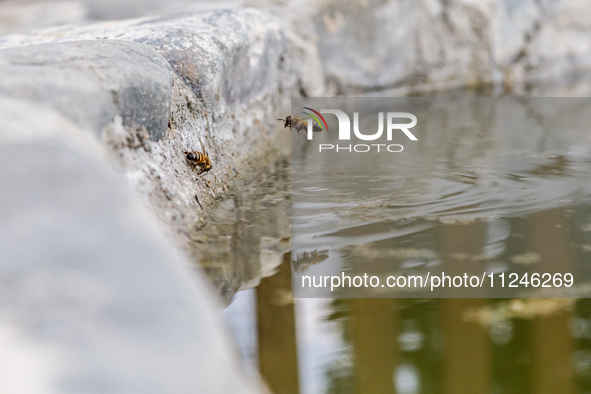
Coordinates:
column 91, row 293
column 92, row 82
column 121, row 103
column 371, row 45
column 218, row 77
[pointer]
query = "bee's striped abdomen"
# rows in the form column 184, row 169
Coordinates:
column 199, row 159
column 196, row 157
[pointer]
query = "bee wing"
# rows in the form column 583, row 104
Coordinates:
column 300, row 124
column 202, row 147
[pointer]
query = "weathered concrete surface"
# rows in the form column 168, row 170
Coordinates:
column 92, row 296
column 92, row 82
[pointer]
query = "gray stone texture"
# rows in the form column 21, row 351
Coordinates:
column 373, row 44
column 92, row 82
column 233, row 74
column 93, row 298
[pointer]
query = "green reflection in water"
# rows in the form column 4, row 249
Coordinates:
column 419, row 345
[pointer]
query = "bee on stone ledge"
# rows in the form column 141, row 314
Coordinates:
column 199, row 159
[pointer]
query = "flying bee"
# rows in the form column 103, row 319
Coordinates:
column 199, row 159
column 299, row 124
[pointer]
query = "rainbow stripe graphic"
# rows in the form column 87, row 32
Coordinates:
column 316, row 118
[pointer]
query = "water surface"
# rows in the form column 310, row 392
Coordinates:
column 492, row 185
column 483, row 195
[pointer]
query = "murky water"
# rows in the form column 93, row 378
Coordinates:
column 488, row 198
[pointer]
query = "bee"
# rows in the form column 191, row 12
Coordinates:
column 299, row 124
column 199, row 159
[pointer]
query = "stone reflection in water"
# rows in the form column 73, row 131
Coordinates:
column 246, row 234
